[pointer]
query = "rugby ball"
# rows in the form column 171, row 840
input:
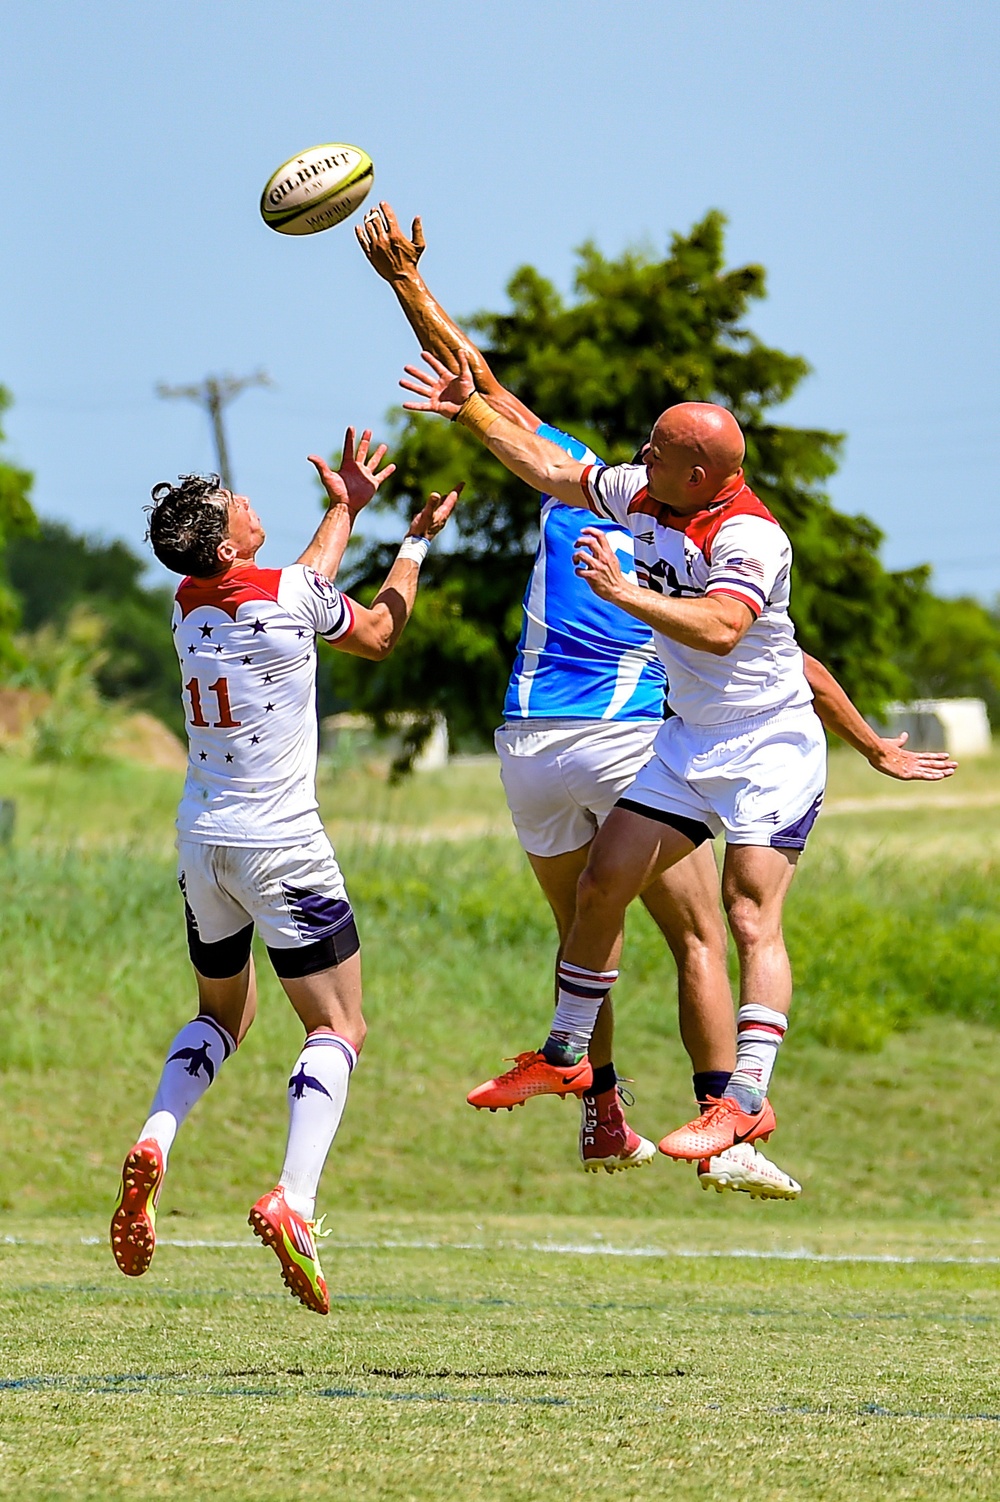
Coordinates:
column 317, row 189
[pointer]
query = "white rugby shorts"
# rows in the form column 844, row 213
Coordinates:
column 295, row 897
column 563, row 777
column 761, row 782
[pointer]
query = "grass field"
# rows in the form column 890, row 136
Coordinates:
column 503, row 1326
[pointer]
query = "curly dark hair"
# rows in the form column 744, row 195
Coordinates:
column 187, row 521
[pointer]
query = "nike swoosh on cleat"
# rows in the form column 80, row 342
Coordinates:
column 568, row 1079
column 742, row 1136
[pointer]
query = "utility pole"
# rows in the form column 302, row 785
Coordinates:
column 214, row 394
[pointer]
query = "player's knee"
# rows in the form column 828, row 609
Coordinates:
column 598, row 888
column 748, row 922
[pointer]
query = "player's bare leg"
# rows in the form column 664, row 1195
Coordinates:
column 755, row 882
column 684, row 904
column 639, row 849
column 606, row 1139
column 328, row 1004
column 226, row 1009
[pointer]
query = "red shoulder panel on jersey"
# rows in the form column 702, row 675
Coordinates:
column 228, row 591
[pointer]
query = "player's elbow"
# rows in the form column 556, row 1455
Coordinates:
column 723, row 639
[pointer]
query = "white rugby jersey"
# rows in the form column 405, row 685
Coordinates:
column 246, row 641
column 732, row 547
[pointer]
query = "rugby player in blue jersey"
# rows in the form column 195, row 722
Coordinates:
column 584, row 703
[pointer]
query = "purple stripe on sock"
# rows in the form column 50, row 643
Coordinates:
column 330, row 1040
column 228, row 1042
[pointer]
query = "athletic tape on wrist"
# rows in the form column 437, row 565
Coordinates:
column 477, row 415
column 414, row 548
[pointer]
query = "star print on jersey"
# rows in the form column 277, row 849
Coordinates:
column 249, row 703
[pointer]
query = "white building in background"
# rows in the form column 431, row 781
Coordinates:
column 958, row 726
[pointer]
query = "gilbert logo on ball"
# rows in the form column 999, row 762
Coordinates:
column 317, row 189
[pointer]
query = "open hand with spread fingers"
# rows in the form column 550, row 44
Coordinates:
column 596, row 561
column 428, row 522
column 391, row 254
column 910, row 766
column 444, row 388
column 358, row 478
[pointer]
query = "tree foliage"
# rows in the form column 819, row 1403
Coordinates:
column 55, row 571
column 639, row 335
column 16, row 519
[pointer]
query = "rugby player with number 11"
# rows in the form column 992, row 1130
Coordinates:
column 252, row 851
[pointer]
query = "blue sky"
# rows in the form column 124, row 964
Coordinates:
column 852, row 145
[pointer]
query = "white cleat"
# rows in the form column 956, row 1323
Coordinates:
column 743, row 1168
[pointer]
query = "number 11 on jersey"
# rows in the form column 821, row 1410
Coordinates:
column 220, row 688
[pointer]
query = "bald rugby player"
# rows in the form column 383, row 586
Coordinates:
column 743, row 753
column 584, row 703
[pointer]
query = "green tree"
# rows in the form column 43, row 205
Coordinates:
column 639, row 335
column 16, row 519
column 55, row 571
column 954, row 648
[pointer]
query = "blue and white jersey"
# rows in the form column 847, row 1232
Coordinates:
column 580, row 658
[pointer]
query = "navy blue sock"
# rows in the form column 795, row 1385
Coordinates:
column 604, row 1079
column 710, row 1082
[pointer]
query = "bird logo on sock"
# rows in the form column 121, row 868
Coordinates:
column 301, row 1082
column 197, row 1059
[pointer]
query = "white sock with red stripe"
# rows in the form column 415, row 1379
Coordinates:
column 195, row 1058
column 759, row 1031
column 317, row 1095
column 581, row 993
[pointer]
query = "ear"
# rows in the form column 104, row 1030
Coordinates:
column 697, row 476
column 226, row 552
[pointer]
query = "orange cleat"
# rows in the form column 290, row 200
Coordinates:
column 606, row 1139
column 532, row 1074
column 292, row 1239
column 724, row 1124
column 133, row 1225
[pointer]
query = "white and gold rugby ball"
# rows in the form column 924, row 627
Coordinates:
column 317, row 189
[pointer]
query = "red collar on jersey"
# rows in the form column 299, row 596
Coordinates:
column 734, row 499
column 228, row 591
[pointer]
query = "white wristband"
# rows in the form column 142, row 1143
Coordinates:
column 414, row 548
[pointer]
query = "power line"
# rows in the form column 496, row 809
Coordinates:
column 214, row 394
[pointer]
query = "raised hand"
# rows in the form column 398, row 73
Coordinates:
column 358, row 477
column 387, row 248
column 444, row 389
column 597, row 562
column 428, row 522
column 910, row 766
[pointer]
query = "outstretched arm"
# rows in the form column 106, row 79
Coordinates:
column 378, row 627
column 395, row 259
column 349, row 489
column 885, row 753
column 450, row 392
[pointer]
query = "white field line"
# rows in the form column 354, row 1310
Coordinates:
column 564, row 1249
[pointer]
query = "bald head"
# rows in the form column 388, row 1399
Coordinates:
column 694, row 449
